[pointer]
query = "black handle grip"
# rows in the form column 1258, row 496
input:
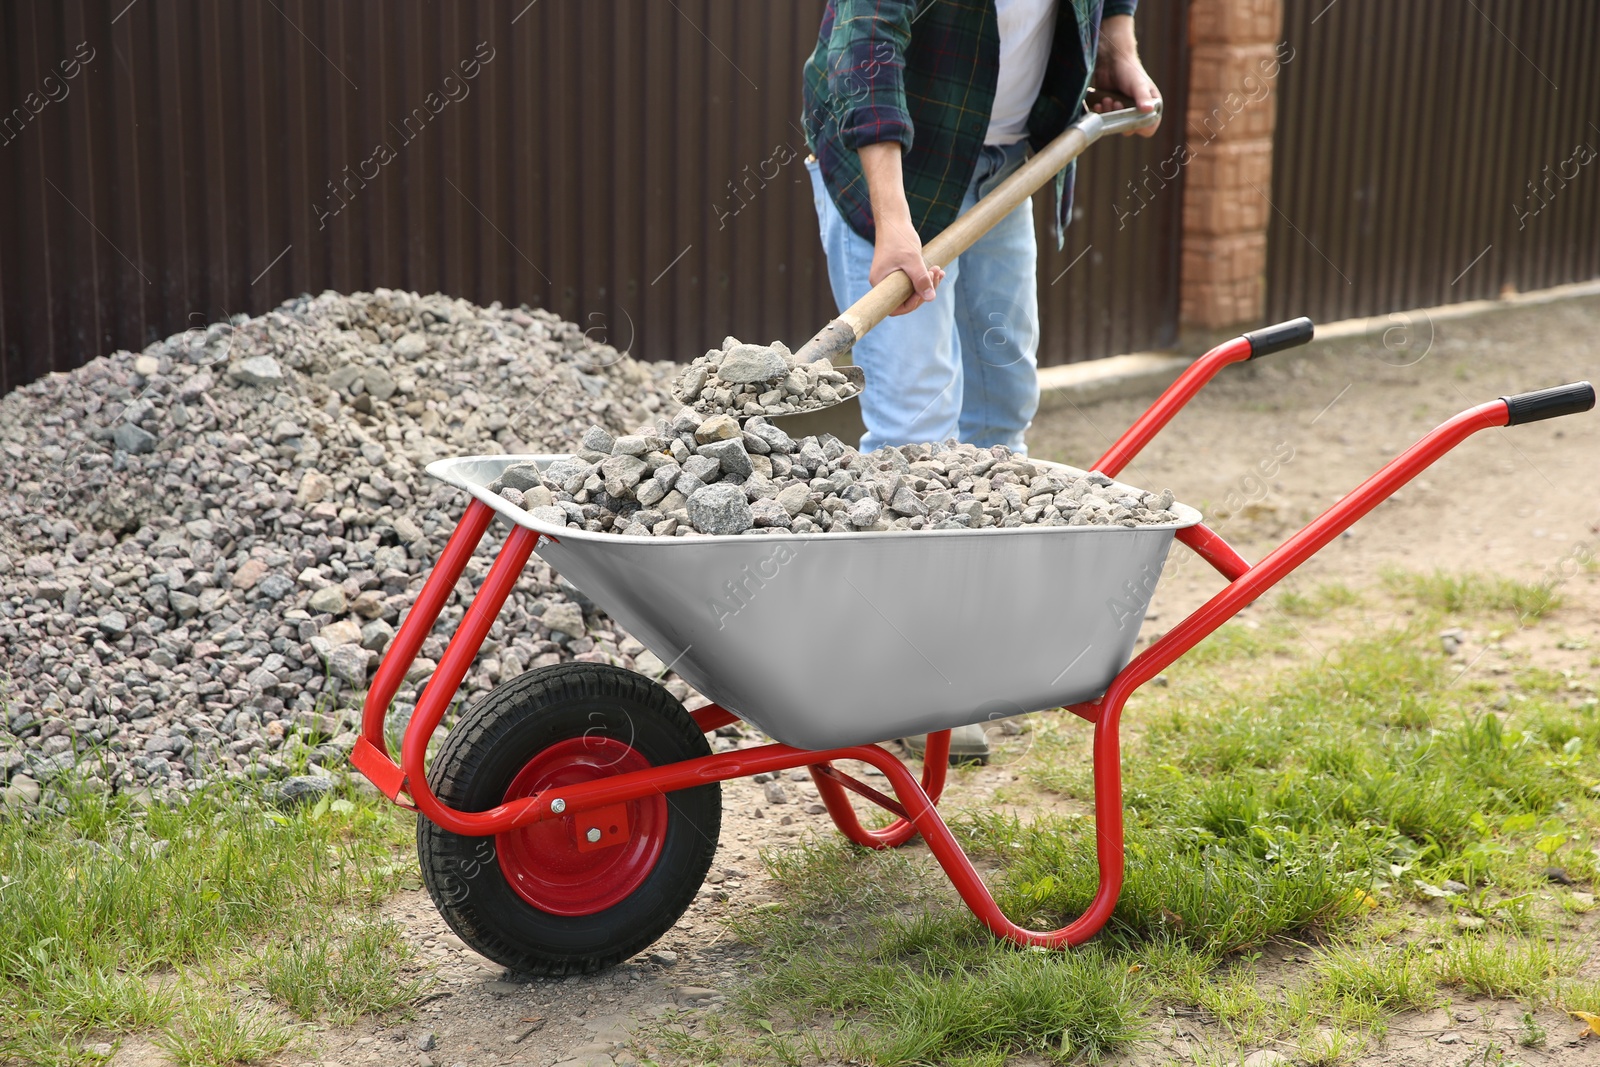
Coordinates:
column 1548, row 403
column 1270, row 339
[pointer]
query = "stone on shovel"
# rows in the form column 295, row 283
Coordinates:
column 752, row 363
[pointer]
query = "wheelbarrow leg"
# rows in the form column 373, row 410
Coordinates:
column 371, row 755
column 925, row 820
column 837, row 800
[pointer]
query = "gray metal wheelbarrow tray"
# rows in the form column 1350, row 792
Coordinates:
column 828, row 640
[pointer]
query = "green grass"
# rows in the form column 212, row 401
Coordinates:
column 341, row 975
column 1526, row 969
column 1322, row 600
column 1320, row 805
column 913, row 980
column 1581, row 995
column 1371, row 756
column 1391, row 978
column 1455, row 594
column 1182, row 882
column 120, row 919
column 1238, row 639
column 1283, row 798
column 213, row 1031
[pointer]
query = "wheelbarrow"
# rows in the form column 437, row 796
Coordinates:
column 572, row 813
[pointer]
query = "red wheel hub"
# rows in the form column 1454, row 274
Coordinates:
column 550, row 864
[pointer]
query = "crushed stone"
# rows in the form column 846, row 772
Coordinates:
column 740, row 380
column 205, row 547
column 694, row 475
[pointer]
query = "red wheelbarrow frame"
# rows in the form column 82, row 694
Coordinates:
column 913, row 802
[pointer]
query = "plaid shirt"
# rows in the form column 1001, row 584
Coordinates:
column 923, row 73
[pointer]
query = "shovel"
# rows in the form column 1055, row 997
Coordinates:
column 835, row 340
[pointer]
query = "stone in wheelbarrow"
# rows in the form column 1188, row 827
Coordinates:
column 706, row 475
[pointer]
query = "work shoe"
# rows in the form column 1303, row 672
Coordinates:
column 968, row 744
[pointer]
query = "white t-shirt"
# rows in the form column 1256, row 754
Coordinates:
column 1026, row 29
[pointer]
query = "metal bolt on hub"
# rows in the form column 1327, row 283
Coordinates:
column 558, row 805
column 593, row 835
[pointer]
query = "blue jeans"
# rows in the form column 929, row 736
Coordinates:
column 963, row 366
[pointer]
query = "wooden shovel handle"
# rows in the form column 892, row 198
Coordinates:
column 836, row 338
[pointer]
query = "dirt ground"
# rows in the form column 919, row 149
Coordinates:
column 1262, row 450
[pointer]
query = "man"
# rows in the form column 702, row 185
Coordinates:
column 913, row 110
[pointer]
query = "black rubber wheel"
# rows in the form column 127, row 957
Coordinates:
column 537, row 900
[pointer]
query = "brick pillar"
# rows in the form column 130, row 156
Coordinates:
column 1234, row 66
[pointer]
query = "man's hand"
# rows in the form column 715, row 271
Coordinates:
column 1117, row 68
column 897, row 246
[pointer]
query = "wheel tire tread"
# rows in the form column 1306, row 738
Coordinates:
column 474, row 739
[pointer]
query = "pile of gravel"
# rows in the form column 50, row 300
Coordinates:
column 204, row 547
column 695, row 475
column 745, row 379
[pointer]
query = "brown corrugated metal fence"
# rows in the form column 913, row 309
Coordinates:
column 635, row 166
column 1433, row 151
